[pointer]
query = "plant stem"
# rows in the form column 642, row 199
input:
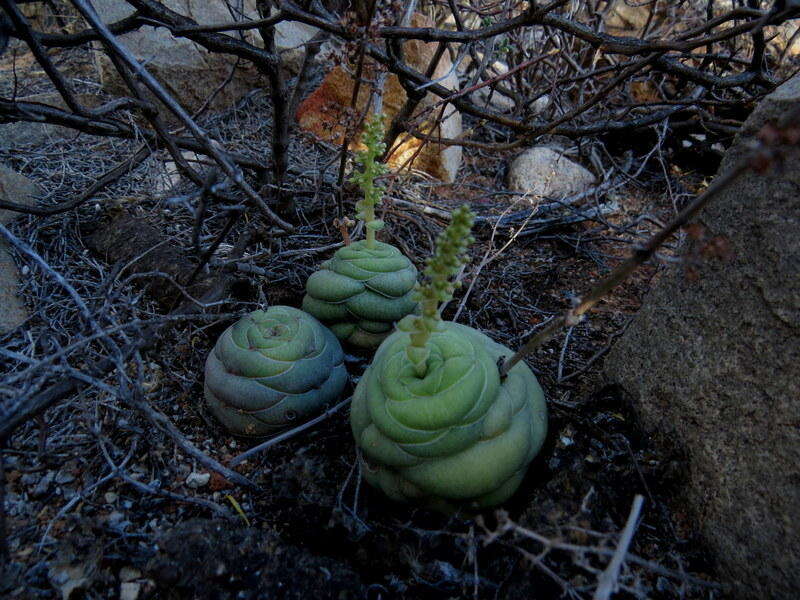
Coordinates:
column 418, row 351
column 370, row 231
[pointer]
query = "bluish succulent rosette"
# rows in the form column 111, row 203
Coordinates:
column 362, row 291
column 273, row 369
column 459, row 437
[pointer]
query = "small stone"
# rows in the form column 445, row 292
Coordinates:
column 129, row 590
column 15, row 504
column 171, row 175
column 197, row 480
column 290, row 40
column 41, row 489
column 129, row 574
column 544, row 172
column 64, row 477
column 110, row 497
column 31, row 133
column 29, row 479
column 486, row 97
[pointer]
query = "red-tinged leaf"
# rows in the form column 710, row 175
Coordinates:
column 218, row 482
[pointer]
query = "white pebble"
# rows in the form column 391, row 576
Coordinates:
column 197, row 480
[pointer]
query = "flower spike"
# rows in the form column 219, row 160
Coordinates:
column 449, row 256
column 366, row 178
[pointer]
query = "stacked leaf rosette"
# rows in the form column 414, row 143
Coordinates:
column 272, row 369
column 362, row 291
column 368, row 285
column 437, row 422
column 459, row 437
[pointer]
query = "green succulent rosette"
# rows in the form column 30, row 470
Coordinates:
column 459, row 437
column 272, row 369
column 362, row 291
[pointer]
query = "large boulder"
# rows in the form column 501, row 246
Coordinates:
column 712, row 363
column 326, row 111
column 20, row 190
column 188, row 71
column 291, row 38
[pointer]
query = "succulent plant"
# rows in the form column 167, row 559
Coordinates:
column 368, row 285
column 436, row 423
column 271, row 369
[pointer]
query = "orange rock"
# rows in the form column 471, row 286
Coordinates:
column 326, row 112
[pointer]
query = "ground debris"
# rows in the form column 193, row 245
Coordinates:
column 207, row 559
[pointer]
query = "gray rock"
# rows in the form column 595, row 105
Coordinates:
column 129, row 590
column 713, row 366
column 13, row 188
column 290, row 40
column 545, row 172
column 28, row 133
column 12, row 310
column 488, row 98
column 30, row 479
column 197, row 480
column 63, row 477
column 188, row 71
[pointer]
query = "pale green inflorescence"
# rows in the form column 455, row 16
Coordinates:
column 450, row 253
column 367, row 286
column 442, row 428
column 273, row 369
column 367, row 177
